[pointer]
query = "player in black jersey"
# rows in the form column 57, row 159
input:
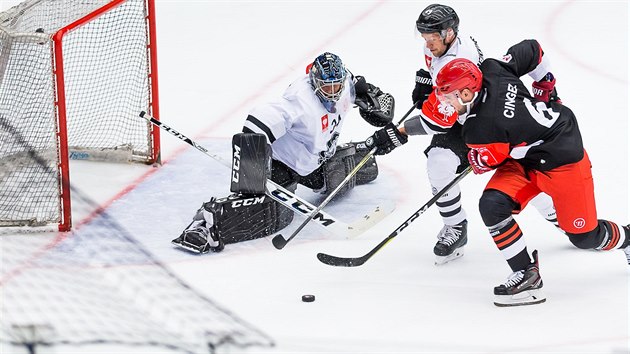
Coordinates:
column 534, row 145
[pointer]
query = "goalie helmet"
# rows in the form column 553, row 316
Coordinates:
column 327, row 76
column 437, row 18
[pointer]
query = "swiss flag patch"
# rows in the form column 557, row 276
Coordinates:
column 325, row 122
column 428, row 60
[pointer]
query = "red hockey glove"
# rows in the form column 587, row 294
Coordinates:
column 545, row 89
column 477, row 163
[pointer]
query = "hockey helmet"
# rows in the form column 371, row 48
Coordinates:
column 327, row 76
column 437, row 18
column 458, row 74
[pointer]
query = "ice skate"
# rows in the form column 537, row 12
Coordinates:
column 451, row 242
column 522, row 288
column 196, row 240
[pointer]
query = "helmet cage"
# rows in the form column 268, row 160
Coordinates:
column 328, row 77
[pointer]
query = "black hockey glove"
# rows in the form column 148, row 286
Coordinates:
column 386, row 139
column 424, row 87
column 375, row 106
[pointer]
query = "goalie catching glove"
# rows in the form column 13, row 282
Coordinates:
column 375, row 106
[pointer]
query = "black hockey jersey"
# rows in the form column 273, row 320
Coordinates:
column 505, row 121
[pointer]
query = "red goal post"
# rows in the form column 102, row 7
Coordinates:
column 74, row 74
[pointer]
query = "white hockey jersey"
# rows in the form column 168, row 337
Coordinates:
column 463, row 47
column 302, row 133
column 436, row 117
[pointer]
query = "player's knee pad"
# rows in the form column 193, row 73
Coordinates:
column 251, row 163
column 495, row 206
column 592, row 239
column 338, row 167
column 240, row 218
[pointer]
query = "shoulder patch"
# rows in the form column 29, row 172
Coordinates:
column 507, row 58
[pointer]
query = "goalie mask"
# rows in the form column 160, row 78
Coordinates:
column 327, row 75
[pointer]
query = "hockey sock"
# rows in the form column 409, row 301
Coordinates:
column 507, row 235
column 614, row 236
column 450, row 207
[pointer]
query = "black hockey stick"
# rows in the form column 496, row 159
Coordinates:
column 279, row 241
column 285, row 197
column 354, row 262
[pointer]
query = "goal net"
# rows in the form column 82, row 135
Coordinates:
column 97, row 288
column 74, row 75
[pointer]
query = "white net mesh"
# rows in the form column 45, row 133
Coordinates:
column 98, row 285
column 107, row 83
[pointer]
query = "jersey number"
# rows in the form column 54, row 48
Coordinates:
column 544, row 115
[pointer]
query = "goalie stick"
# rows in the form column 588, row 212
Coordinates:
column 279, row 241
column 289, row 199
column 357, row 261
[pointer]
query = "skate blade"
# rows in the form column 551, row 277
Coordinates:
column 529, row 297
column 440, row 260
column 189, row 246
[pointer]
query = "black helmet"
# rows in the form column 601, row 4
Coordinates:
column 436, row 18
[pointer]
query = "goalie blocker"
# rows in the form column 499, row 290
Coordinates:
column 248, row 213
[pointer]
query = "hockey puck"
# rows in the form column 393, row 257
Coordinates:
column 308, row 298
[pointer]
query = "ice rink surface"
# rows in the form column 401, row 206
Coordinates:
column 218, row 59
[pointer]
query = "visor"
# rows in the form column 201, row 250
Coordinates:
column 329, row 89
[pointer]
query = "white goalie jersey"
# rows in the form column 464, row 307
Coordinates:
column 302, row 133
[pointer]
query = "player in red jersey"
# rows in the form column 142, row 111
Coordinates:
column 534, row 145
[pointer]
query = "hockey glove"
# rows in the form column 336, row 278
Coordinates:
column 424, row 87
column 375, row 106
column 477, row 162
column 386, row 139
column 545, row 89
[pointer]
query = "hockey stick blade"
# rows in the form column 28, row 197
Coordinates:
column 279, row 241
column 357, row 261
column 356, row 228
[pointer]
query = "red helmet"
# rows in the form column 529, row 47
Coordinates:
column 459, row 74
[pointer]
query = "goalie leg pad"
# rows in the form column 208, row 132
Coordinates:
column 251, row 163
column 338, row 167
column 240, row 218
column 233, row 219
column 244, row 218
column 369, row 171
